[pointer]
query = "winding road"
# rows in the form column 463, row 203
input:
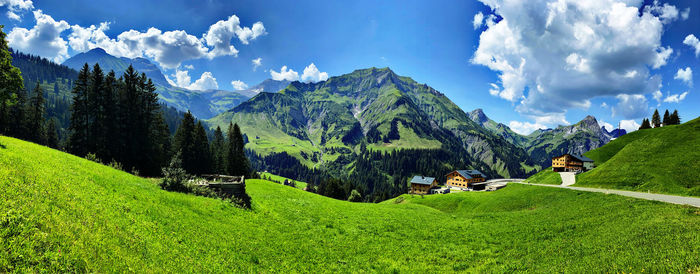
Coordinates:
column 680, row 200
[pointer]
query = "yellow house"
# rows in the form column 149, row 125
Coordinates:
column 422, row 184
column 571, row 163
column 462, row 178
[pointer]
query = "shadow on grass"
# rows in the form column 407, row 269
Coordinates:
column 2, row 146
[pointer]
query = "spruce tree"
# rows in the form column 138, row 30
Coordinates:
column 183, row 142
column 675, row 119
column 95, row 95
column 51, row 134
column 35, row 116
column 237, row 162
column 78, row 140
column 645, row 124
column 656, row 119
column 17, row 116
column 55, row 88
column 667, row 118
column 202, row 152
column 218, row 147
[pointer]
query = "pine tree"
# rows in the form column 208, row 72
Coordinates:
column 35, row 116
column 17, row 117
column 666, row 121
column 184, row 143
column 675, row 119
column 79, row 119
column 11, row 81
column 656, row 119
column 109, row 134
column 95, row 95
column 218, row 147
column 51, row 134
column 237, row 162
column 202, row 152
column 645, row 124
column 55, row 88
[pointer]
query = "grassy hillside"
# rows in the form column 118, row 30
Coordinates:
column 60, row 213
column 546, row 176
column 661, row 160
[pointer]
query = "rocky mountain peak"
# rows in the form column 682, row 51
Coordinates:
column 478, row 116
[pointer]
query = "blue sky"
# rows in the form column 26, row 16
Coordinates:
column 504, row 64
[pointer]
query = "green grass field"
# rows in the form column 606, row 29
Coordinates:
column 546, row 176
column 663, row 160
column 60, row 213
column 280, row 179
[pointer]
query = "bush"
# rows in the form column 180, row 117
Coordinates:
column 355, row 196
column 174, row 176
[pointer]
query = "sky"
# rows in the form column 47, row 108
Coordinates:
column 527, row 63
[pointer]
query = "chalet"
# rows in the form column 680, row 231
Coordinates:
column 464, row 178
column 571, row 163
column 422, row 184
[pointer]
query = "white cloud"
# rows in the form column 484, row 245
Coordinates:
column 190, row 67
column 607, row 125
column 604, row 105
column 685, row 14
column 675, row 98
column 239, row 85
column 525, row 128
column 312, row 74
column 257, row 63
column 15, row 6
column 205, row 82
column 44, row 39
column 658, row 96
column 667, row 13
column 284, row 74
column 168, row 48
column 630, row 106
column 629, row 125
column 554, row 55
column 478, row 20
column 693, row 41
column 685, row 75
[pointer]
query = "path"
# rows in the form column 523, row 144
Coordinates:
column 680, row 200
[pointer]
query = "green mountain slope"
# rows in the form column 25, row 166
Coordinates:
column 322, row 122
column 659, row 160
column 479, row 117
column 60, row 213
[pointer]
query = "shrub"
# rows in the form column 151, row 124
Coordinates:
column 355, row 196
column 174, row 176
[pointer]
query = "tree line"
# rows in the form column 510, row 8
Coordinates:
column 656, row 120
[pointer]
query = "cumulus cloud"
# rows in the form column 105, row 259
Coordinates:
column 478, row 20
column 693, row 42
column 629, row 125
column 239, row 85
column 205, row 82
column 220, row 34
column 525, row 128
column 675, row 98
column 284, row 74
column 257, row 63
column 657, row 96
column 15, row 6
column 604, row 105
column 312, row 74
column 685, row 75
column 190, row 67
column 552, row 56
column 44, row 39
column 631, row 106
column 685, row 14
column 608, row 126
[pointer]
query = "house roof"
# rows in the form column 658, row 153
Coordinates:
column 470, row 173
column 578, row 157
column 422, row 180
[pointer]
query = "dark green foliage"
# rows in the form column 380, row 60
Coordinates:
column 237, row 162
column 218, row 152
column 52, row 139
column 667, row 118
column 184, row 142
column 10, row 81
column 674, row 118
column 355, row 196
column 174, row 176
column 119, row 120
column 17, row 116
column 35, row 117
column 645, row 124
column 202, row 154
column 656, row 119
column 393, row 132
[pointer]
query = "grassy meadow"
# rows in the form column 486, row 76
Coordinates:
column 546, row 176
column 60, row 213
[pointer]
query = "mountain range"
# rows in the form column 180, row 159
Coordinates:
column 202, row 104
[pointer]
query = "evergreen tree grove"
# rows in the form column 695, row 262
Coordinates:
column 35, row 116
column 11, row 81
column 656, row 119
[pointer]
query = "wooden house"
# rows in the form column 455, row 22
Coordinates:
column 571, row 163
column 422, row 184
column 464, row 178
